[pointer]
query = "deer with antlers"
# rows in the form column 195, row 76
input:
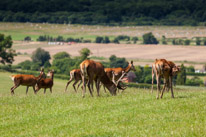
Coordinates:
column 165, row 69
column 118, row 71
column 75, row 74
column 26, row 80
column 94, row 71
column 46, row 82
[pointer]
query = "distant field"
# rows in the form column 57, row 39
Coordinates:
column 141, row 54
column 135, row 112
column 19, row 31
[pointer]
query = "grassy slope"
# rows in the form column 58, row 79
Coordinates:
column 133, row 113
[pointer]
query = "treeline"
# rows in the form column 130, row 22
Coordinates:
column 112, row 12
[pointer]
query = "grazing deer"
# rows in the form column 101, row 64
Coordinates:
column 165, row 69
column 46, row 83
column 26, row 80
column 91, row 71
column 118, row 71
column 75, row 74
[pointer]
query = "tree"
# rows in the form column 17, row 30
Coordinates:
column 27, row 38
column 198, row 41
column 85, row 52
column 149, row 38
column 181, row 77
column 99, row 39
column 117, row 62
column 6, row 52
column 41, row 56
column 61, row 55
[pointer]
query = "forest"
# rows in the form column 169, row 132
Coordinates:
column 107, row 12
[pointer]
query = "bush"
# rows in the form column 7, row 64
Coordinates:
column 195, row 81
column 134, row 39
column 27, row 38
column 61, row 55
column 187, row 42
column 164, row 40
column 123, row 37
column 106, row 40
column 198, row 41
column 149, row 38
column 116, row 41
column 99, row 39
column 26, row 65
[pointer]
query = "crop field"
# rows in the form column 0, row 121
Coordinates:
column 135, row 112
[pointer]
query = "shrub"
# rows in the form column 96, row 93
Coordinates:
column 187, row 42
column 198, row 41
column 106, row 40
column 61, row 55
column 123, row 37
column 149, row 38
column 195, row 81
column 134, row 39
column 164, row 40
column 116, row 41
column 99, row 39
column 27, row 38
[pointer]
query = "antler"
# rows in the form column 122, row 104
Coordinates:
column 113, row 78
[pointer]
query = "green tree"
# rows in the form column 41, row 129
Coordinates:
column 181, row 76
column 164, row 40
column 41, row 56
column 6, row 52
column 187, row 42
column 85, row 52
column 117, row 62
column 134, row 39
column 198, row 41
column 149, row 38
column 190, row 69
column 99, row 39
column 61, row 55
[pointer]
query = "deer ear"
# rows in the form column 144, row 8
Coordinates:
column 132, row 62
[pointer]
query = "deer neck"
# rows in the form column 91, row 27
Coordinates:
column 127, row 69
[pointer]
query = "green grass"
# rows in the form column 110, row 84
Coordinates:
column 134, row 112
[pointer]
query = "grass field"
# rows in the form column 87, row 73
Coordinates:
column 19, row 31
column 134, row 112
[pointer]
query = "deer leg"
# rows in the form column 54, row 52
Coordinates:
column 45, row 91
column 162, row 92
column 89, row 86
column 34, row 90
column 51, row 89
column 74, row 85
column 27, row 88
column 79, row 84
column 170, row 82
column 84, row 86
column 104, row 89
column 98, row 86
column 152, row 79
column 158, row 86
column 68, row 83
column 13, row 88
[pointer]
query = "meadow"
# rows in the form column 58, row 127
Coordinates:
column 135, row 112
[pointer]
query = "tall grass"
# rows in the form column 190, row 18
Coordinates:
column 135, row 112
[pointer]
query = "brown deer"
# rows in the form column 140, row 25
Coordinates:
column 118, row 71
column 75, row 74
column 26, row 80
column 46, row 83
column 94, row 71
column 165, row 69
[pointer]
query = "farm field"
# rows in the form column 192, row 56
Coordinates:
column 141, row 54
column 135, row 112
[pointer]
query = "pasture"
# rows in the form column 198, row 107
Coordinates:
column 135, row 112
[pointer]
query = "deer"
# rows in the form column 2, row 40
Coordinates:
column 75, row 74
column 118, row 71
column 46, row 82
column 26, row 80
column 94, row 71
column 165, row 69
